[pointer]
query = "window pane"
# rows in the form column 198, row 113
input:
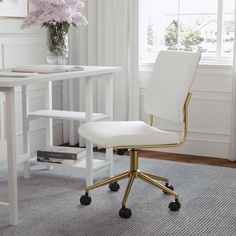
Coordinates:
column 199, row 6
column 228, row 28
column 157, row 15
column 198, row 26
column 189, row 26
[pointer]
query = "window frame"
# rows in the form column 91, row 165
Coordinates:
column 219, row 59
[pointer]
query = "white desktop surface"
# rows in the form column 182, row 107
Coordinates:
column 39, row 78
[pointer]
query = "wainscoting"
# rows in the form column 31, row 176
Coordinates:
column 19, row 48
column 209, row 112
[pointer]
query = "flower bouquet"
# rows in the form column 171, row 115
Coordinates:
column 56, row 16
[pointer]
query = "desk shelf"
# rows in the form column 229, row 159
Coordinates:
column 66, row 115
column 97, row 164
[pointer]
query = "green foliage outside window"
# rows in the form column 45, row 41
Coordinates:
column 189, row 37
column 150, row 35
column 171, row 36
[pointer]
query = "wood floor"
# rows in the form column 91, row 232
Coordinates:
column 188, row 158
column 185, row 158
column 182, row 158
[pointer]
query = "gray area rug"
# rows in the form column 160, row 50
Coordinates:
column 49, row 203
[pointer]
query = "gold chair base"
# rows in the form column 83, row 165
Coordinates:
column 132, row 174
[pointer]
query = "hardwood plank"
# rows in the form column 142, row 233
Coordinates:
column 184, row 158
column 181, row 158
column 188, row 158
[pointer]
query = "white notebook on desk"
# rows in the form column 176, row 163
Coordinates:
column 16, row 74
column 46, row 69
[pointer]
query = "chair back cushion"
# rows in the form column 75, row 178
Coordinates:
column 169, row 85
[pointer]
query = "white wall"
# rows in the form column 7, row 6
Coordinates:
column 209, row 112
column 209, row 121
column 18, row 47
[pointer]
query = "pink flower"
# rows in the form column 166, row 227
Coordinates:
column 55, row 11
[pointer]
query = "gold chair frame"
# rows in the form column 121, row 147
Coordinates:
column 134, row 171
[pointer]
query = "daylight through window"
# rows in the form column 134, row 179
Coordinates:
column 187, row 25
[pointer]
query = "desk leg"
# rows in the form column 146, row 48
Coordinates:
column 49, row 121
column 89, row 145
column 26, row 133
column 109, row 110
column 72, row 137
column 11, row 152
column 89, row 163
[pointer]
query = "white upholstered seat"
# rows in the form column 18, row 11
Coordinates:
column 164, row 98
column 125, row 133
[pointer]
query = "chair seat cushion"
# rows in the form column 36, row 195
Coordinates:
column 109, row 134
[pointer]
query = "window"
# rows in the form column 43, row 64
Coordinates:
column 187, row 25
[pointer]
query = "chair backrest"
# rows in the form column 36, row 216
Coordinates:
column 169, row 85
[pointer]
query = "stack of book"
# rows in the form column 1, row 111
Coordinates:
column 60, row 155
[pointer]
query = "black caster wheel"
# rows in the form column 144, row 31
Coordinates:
column 174, row 206
column 85, row 199
column 125, row 212
column 168, row 186
column 120, row 152
column 114, row 187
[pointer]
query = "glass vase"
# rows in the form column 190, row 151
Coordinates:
column 58, row 48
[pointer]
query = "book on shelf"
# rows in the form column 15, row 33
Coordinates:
column 61, row 153
column 46, row 69
column 59, row 161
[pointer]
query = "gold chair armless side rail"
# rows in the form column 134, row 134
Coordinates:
column 150, row 120
column 185, row 120
column 183, row 135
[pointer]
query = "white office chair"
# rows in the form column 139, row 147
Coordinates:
column 167, row 96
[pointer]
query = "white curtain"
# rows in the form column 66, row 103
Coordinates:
column 232, row 148
column 109, row 39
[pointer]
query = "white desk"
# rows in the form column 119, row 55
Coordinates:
column 8, row 84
